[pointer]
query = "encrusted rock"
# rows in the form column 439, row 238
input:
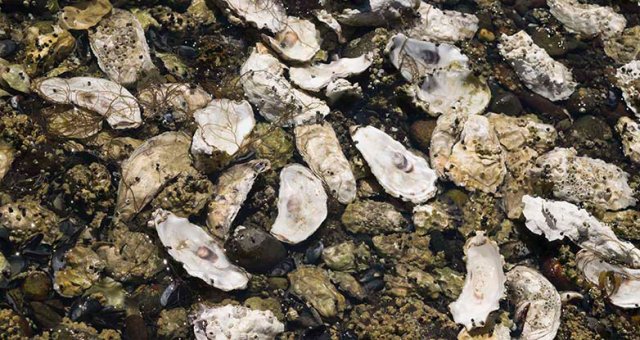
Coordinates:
column 185, row 195
column 82, row 268
column 629, row 131
column 45, row 49
column 313, row 285
column 26, row 218
column 346, row 257
column 235, row 322
column 274, row 144
column 371, row 217
column 89, row 188
column 173, row 324
column 625, row 47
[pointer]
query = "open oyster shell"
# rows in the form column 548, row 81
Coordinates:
column 181, row 99
column 537, row 70
column 302, row 205
column 101, row 96
column 483, row 284
column 587, row 19
column 298, row 40
column 236, row 322
column 321, row 150
column 557, row 220
column 437, row 25
column 537, row 300
column 585, row 180
column 399, row 171
column 630, row 135
column 152, row 165
column 262, row 14
column 277, row 100
column 316, row 77
column 230, row 192
column 200, row 255
column 628, row 80
column 108, row 41
column 622, row 284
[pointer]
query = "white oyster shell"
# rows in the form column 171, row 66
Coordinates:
column 6, row 158
column 181, row 99
column 316, row 77
column 223, row 125
column 483, row 284
column 537, row 70
column 585, row 180
column 200, row 255
column 236, row 323
column 298, row 40
column 229, row 193
column 630, row 135
column 321, row 150
column 399, row 171
column 277, row 100
column 302, row 205
column 263, row 14
column 625, row 283
column 443, row 26
column 628, row 80
column 341, row 88
column 537, row 300
column 326, row 18
column 586, row 19
column 153, row 164
column 466, row 150
column 119, row 44
column 557, row 220
column 98, row 95
column 376, row 12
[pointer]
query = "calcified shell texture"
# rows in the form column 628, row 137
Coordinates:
column 320, row 169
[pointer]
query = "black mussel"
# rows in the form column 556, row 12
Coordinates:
column 283, row 268
column 90, row 310
column 313, row 253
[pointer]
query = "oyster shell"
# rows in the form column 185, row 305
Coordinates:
column 298, row 40
column 262, row 14
column 122, row 65
column 585, row 180
column 200, row 254
column 84, row 15
column 587, row 19
column 557, row 220
column 466, row 150
column 277, row 100
column 622, row 284
column 342, row 88
column 320, row 149
column 229, row 193
column 316, row 77
column 443, row 26
column 628, row 80
column 6, row 158
column 483, row 284
column 399, row 171
column 376, row 12
column 181, row 99
column 302, row 205
column 537, row 70
column 14, row 76
column 236, row 322
column 630, row 135
column 101, row 96
column 223, row 126
column 537, row 300
column 151, row 166
column 326, row 18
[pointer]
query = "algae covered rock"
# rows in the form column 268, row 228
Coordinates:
column 84, row 15
column 371, row 217
column 81, row 271
column 13, row 326
column 28, row 217
column 173, row 324
column 314, row 286
column 273, row 143
column 346, row 257
column 186, row 195
column 89, row 188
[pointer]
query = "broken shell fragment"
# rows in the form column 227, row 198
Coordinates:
column 153, row 164
column 537, row 70
column 484, row 284
column 84, row 15
column 321, row 150
column 262, row 14
column 399, row 171
column 236, row 322
column 443, row 26
column 585, row 180
column 277, row 100
column 181, row 99
column 302, row 205
column 326, row 18
column 628, row 80
column 557, row 220
column 101, row 96
column 230, row 192
column 200, row 254
column 108, row 41
column 620, row 283
column 536, row 300
column 587, row 19
column 630, row 135
column 298, row 41
column 316, row 77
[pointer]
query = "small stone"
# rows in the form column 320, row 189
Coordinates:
column 371, row 217
column 505, row 102
column 254, row 249
column 486, row 35
column 421, row 131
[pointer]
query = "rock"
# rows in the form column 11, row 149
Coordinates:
column 421, row 131
column 131, row 257
column 27, row 218
column 428, row 217
column 346, row 257
column 82, row 268
column 273, row 143
column 254, row 249
column 6, row 158
column 371, row 217
column 592, row 136
column 552, row 42
column 410, row 249
column 7, row 47
column 36, row 286
column 173, row 324
column 505, row 102
column 348, row 284
column 625, row 47
column 314, row 286
column 265, row 304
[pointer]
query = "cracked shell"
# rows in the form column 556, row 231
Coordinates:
column 298, row 41
column 320, row 149
column 302, row 205
column 200, row 254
